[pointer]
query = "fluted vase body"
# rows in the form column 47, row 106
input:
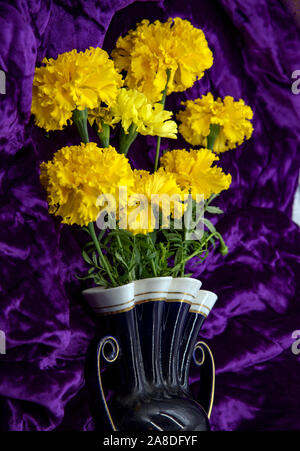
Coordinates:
column 150, row 330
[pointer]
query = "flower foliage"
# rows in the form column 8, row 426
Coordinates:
column 72, row 80
column 132, row 107
column 148, row 51
column 87, row 183
column 194, row 171
column 77, row 175
column 232, row 117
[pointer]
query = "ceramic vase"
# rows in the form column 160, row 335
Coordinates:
column 149, row 342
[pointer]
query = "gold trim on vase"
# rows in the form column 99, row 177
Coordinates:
column 113, row 312
column 199, row 344
column 114, row 305
column 142, row 301
column 200, row 313
column 166, row 292
column 204, row 306
column 199, row 362
column 103, row 342
column 180, row 300
column 163, row 299
column 100, row 310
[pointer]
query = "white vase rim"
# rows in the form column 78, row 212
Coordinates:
column 111, row 301
column 204, row 302
column 95, row 290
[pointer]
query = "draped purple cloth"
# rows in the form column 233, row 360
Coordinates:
column 47, row 324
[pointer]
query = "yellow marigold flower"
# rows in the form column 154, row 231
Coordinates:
column 151, row 193
column 148, row 51
column 72, row 80
column 100, row 114
column 232, row 117
column 194, row 172
column 77, row 175
column 132, row 107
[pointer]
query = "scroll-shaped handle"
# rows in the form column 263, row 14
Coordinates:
column 108, row 350
column 207, row 375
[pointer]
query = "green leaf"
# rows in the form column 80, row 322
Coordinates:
column 90, row 276
column 153, row 236
column 213, row 242
column 85, row 229
column 86, row 258
column 119, row 257
column 94, row 257
column 214, row 210
column 209, row 225
column 88, row 244
column 100, row 235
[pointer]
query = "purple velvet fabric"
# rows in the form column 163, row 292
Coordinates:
column 47, row 325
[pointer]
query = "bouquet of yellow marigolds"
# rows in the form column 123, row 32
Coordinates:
column 140, row 224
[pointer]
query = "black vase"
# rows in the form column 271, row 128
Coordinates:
column 150, row 340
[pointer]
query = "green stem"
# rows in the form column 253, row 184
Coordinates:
column 163, row 101
column 120, row 244
column 223, row 247
column 123, row 254
column 126, row 139
column 80, row 119
column 152, row 261
column 103, row 260
column 183, row 252
column 157, row 153
column 214, row 131
column 104, row 135
column 183, row 265
column 132, row 272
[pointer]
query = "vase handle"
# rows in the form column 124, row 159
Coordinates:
column 109, row 356
column 207, row 377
